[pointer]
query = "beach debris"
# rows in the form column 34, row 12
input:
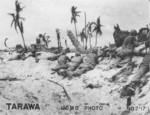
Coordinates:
column 92, row 86
column 65, row 91
column 10, row 79
column 75, row 42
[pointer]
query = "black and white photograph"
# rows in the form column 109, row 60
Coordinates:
column 74, row 57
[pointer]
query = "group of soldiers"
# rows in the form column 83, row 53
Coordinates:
column 76, row 65
column 32, row 51
column 21, row 53
column 81, row 63
column 127, row 49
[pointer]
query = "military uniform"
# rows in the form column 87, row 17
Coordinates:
column 62, row 63
column 144, row 68
column 136, row 82
column 89, row 62
column 75, row 62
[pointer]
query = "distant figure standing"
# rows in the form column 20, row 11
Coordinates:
column 42, row 41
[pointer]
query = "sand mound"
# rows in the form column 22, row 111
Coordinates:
column 92, row 89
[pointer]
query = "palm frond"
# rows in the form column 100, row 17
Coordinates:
column 98, row 25
column 93, row 24
column 18, row 6
column 22, row 18
column 95, row 29
column 17, row 21
column 11, row 14
column 13, row 20
column 78, row 12
column 5, row 42
column 75, row 14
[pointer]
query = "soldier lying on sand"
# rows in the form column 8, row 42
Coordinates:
column 56, row 56
column 136, row 82
column 72, row 65
column 62, row 62
column 20, row 53
column 75, row 62
column 34, row 53
column 66, row 64
column 88, row 62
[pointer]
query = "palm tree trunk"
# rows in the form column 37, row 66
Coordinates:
column 85, row 22
column 86, row 43
column 75, row 26
column 83, row 43
column 85, row 30
column 23, row 41
column 58, row 44
column 22, row 38
column 90, row 42
column 96, row 41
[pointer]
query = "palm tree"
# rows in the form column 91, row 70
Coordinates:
column 17, row 21
column 83, row 37
column 97, row 29
column 58, row 38
column 89, row 32
column 86, row 37
column 74, row 13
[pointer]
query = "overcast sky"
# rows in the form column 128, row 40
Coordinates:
column 47, row 15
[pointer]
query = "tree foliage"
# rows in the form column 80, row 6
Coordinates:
column 74, row 16
column 97, row 28
column 17, row 20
